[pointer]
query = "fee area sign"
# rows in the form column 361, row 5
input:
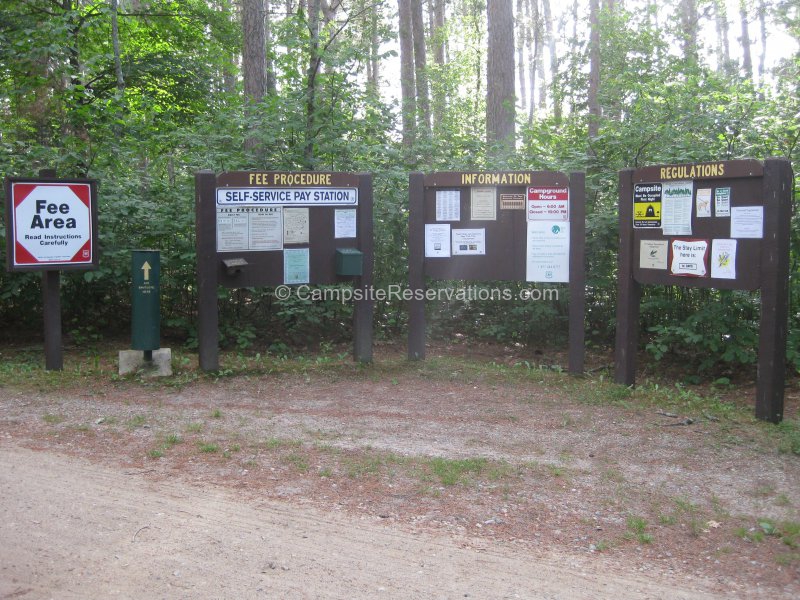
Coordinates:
column 51, row 224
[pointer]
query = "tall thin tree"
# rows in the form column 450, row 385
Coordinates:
column 747, row 59
column 407, row 85
column 551, row 44
column 500, row 98
column 594, row 68
column 420, row 67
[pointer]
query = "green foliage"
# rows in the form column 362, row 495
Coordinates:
column 181, row 109
column 720, row 332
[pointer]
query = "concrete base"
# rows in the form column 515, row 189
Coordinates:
column 132, row 361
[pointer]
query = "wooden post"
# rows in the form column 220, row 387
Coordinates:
column 51, row 300
column 774, row 271
column 416, row 266
column 577, row 272
column 205, row 183
column 51, row 306
column 364, row 307
column 628, row 290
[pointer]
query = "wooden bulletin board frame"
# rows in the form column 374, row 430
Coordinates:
column 505, row 243
column 760, row 262
column 261, row 268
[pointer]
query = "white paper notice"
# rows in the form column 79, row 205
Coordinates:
column 469, row 241
column 266, row 228
column 547, row 255
column 653, row 254
column 344, row 223
column 722, row 202
column 295, row 225
column 703, row 202
column 747, row 222
column 483, row 204
column 689, row 258
column 232, row 228
column 448, row 205
column 249, row 228
column 723, row 259
column 676, row 207
column 437, row 240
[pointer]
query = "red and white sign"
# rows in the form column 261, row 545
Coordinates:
column 688, row 257
column 548, row 204
column 52, row 223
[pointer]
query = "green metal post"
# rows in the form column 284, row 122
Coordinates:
column 145, row 302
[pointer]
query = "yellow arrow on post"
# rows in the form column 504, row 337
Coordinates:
column 146, row 268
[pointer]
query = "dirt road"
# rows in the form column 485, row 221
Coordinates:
column 74, row 529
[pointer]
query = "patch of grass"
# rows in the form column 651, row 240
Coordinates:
column 194, row 427
column 555, row 470
column 208, row 447
column 298, row 461
column 637, row 528
column 135, row 422
column 789, row 437
column 155, row 453
column 603, row 393
column 173, row 439
column 787, row 559
column 452, row 471
column 602, row 545
column 685, row 505
column 325, row 472
column 216, row 414
column 764, row 490
column 363, row 466
column 614, row 475
column 275, row 443
column 667, row 519
column 52, row 419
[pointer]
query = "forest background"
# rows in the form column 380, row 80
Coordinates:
column 142, row 94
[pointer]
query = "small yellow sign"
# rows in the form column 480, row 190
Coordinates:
column 647, row 205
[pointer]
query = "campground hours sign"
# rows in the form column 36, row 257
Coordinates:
column 51, row 224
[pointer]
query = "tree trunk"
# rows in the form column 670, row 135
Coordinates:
column 272, row 83
column 373, row 62
column 115, row 46
column 689, row 23
column 420, row 66
column 533, row 46
column 551, row 40
column 522, row 32
column 747, row 60
column 254, row 67
column 407, row 86
column 230, row 67
column 594, row 68
column 500, row 101
column 762, row 18
column 438, row 45
column 311, row 81
column 723, row 36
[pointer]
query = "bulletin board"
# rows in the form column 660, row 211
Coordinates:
column 270, row 228
column 720, row 225
column 497, row 226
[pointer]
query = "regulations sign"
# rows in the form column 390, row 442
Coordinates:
column 51, row 224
